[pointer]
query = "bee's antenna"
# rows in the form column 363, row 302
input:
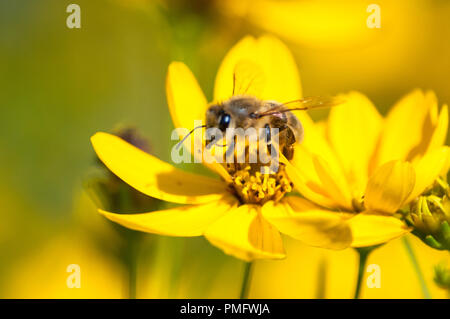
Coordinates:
column 214, row 142
column 192, row 131
column 234, row 82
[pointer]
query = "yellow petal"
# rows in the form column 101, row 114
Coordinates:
column 315, row 141
column 434, row 130
column 301, row 220
column 282, row 82
column 184, row 221
column 306, row 181
column 334, row 182
column 372, row 229
column 243, row 233
column 428, row 169
column 188, row 104
column 321, row 181
column 186, row 100
column 446, row 167
column 403, row 131
column 439, row 133
column 248, row 79
column 389, row 187
column 309, row 183
column 152, row 176
column 353, row 131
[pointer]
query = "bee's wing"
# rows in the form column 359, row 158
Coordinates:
column 303, row 104
column 312, row 102
column 248, row 79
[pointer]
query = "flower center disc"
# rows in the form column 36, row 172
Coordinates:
column 253, row 187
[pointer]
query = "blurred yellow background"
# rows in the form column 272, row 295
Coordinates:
column 58, row 86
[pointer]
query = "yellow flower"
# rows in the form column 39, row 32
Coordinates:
column 236, row 213
column 369, row 166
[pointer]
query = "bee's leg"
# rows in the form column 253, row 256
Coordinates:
column 268, row 134
column 288, row 152
column 267, row 137
column 288, row 143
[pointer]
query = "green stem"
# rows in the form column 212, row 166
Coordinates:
column 420, row 277
column 363, row 255
column 321, row 279
column 246, row 281
column 132, row 266
column 131, row 237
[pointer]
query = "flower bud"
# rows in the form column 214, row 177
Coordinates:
column 429, row 214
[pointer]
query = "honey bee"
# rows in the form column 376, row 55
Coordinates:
column 248, row 111
column 244, row 110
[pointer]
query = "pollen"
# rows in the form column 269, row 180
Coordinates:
column 253, row 187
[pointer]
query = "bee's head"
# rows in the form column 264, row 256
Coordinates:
column 216, row 116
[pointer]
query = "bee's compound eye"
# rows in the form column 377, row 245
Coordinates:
column 224, row 121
